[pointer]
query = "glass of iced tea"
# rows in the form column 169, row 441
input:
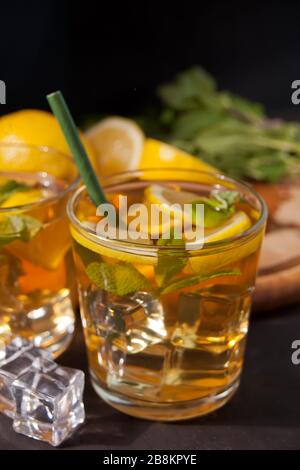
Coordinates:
column 165, row 319
column 36, row 285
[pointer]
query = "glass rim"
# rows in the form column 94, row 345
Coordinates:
column 46, row 150
column 148, row 249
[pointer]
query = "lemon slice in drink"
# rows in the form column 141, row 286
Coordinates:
column 203, row 261
column 237, row 224
column 157, row 194
column 167, row 201
column 112, row 251
column 21, row 198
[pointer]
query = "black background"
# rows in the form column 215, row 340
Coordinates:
column 108, row 57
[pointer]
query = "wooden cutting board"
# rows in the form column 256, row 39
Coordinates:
column 278, row 282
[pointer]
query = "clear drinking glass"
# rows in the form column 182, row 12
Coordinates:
column 172, row 349
column 36, row 278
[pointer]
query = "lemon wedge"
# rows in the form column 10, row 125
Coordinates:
column 163, row 156
column 119, row 145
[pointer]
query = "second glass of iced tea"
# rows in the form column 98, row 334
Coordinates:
column 36, row 266
column 165, row 324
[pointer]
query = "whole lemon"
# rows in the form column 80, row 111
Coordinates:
column 32, row 127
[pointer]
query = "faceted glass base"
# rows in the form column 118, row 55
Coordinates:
column 157, row 411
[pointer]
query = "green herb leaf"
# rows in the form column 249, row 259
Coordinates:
column 226, row 199
column 170, row 263
column 217, row 208
column 119, row 279
column 241, row 107
column 195, row 279
column 18, row 227
column 189, row 90
column 11, row 187
column 227, row 131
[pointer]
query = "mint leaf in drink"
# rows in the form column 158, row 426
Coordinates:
column 128, row 279
column 18, row 227
column 9, row 188
column 170, row 263
column 102, row 274
column 226, row 199
column 10, row 229
column 195, row 279
column 119, row 279
column 31, row 228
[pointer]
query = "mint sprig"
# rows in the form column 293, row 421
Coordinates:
column 119, row 279
column 9, row 188
column 227, row 131
column 18, row 227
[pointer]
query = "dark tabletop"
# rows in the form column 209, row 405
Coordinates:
column 264, row 414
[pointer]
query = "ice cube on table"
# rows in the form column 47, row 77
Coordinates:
column 17, row 357
column 48, row 402
column 8, row 373
column 18, row 346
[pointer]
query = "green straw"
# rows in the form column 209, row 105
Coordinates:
column 62, row 113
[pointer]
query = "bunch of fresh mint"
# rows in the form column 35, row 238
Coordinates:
column 229, row 132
